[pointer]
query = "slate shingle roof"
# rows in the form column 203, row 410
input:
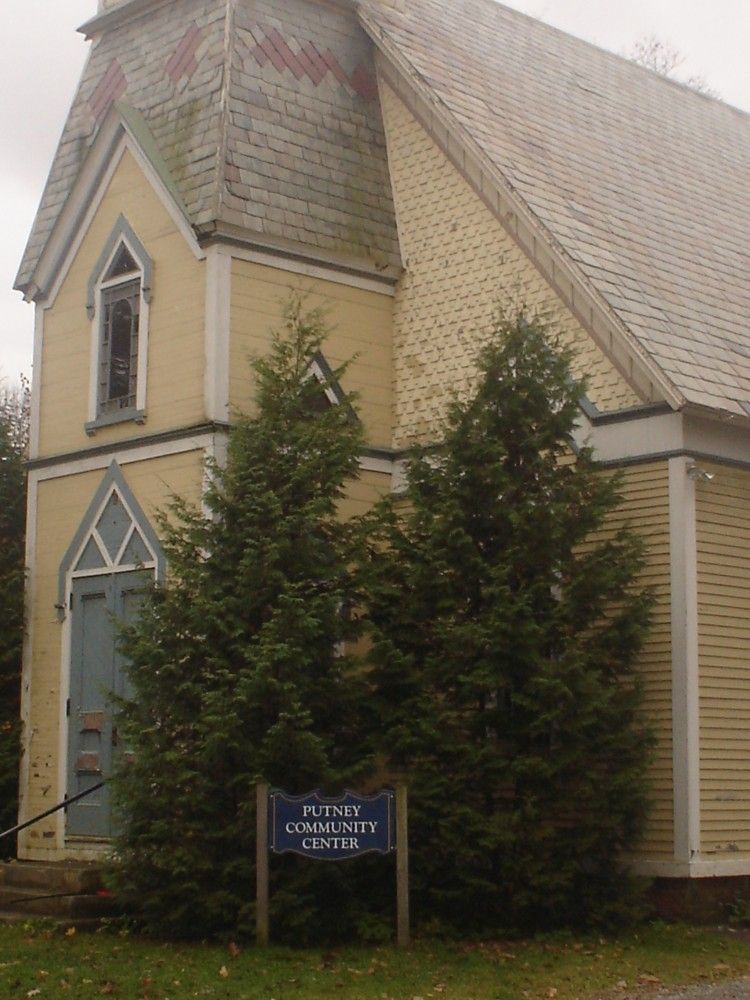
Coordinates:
column 130, row 64
column 643, row 183
column 277, row 133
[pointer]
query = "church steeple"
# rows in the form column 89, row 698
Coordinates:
column 265, row 114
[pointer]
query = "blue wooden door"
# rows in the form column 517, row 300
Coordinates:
column 97, row 670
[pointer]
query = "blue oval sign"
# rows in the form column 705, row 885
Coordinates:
column 332, row 829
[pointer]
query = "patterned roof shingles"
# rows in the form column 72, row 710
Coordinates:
column 289, row 147
column 181, row 116
column 643, row 183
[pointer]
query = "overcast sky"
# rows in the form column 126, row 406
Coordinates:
column 43, row 56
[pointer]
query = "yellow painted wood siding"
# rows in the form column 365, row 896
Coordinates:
column 363, row 493
column 723, row 541
column 360, row 323
column 460, row 263
column 645, row 491
column 61, row 505
column 176, row 352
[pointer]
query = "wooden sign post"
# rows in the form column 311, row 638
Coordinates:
column 403, row 936
column 331, row 829
column 261, row 867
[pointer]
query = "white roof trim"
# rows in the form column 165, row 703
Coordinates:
column 116, row 136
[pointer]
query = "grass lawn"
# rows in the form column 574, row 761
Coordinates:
column 41, row 961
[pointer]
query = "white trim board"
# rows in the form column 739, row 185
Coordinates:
column 217, row 332
column 124, row 456
column 658, row 434
column 685, row 678
column 696, row 869
column 88, row 192
column 36, row 382
column 27, row 735
column 308, row 270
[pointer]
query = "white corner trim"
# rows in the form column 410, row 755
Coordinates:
column 217, row 333
column 36, row 381
column 685, row 679
column 293, row 266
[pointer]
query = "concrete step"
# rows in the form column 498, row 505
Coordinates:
column 64, row 891
column 62, row 906
column 52, row 877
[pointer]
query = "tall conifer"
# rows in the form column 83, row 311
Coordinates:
column 506, row 619
column 14, row 431
column 236, row 667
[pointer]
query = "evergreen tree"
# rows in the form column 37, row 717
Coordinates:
column 14, row 424
column 506, row 618
column 236, row 670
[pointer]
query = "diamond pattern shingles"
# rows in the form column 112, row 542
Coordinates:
column 181, row 114
column 305, row 144
column 644, row 184
column 292, row 106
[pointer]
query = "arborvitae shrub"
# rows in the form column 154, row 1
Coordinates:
column 506, row 619
column 236, row 670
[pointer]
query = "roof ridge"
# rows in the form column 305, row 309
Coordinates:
column 223, row 144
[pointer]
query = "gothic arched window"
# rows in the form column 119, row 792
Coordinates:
column 119, row 293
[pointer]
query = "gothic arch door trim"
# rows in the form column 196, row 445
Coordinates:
column 114, row 554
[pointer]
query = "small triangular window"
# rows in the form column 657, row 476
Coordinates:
column 316, row 400
column 122, row 263
column 322, row 389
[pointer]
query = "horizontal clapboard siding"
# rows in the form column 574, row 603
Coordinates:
column 723, row 537
column 645, row 492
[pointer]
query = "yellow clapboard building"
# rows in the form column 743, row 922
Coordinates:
column 410, row 165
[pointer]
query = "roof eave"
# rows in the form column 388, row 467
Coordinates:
column 116, row 16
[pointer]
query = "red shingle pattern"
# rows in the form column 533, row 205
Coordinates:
column 110, row 88
column 305, row 60
column 183, row 62
column 305, row 153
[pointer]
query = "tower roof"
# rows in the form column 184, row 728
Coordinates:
column 265, row 114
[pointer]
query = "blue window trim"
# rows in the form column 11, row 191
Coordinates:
column 122, row 231
column 128, row 413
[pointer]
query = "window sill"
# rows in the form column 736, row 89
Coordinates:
column 116, row 417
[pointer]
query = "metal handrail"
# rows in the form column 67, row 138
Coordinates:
column 54, row 809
